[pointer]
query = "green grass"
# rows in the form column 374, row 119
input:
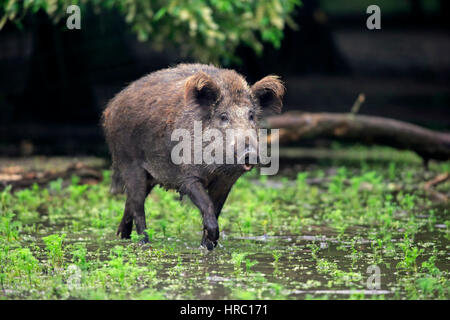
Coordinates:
column 281, row 238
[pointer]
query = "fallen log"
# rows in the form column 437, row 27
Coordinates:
column 295, row 126
column 18, row 178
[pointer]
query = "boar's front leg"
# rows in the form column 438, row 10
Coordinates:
column 202, row 200
column 218, row 191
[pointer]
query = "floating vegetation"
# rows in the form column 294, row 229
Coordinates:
column 364, row 230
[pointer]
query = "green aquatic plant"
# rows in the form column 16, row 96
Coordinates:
column 24, row 261
column 410, row 254
column 54, row 246
column 9, row 228
column 276, row 254
column 79, row 255
column 56, row 185
column 136, row 237
column 280, row 238
column 237, row 258
column 249, row 264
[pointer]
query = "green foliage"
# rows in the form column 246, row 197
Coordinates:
column 295, row 237
column 54, row 248
column 24, row 261
column 209, row 30
column 237, row 258
column 136, row 237
column 79, row 253
column 9, row 229
column 410, row 254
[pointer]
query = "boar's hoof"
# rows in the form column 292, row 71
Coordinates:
column 211, row 231
column 143, row 241
column 213, row 234
column 207, row 243
column 125, row 230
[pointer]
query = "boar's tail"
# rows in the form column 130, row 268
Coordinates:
column 117, row 184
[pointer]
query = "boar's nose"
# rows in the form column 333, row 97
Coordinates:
column 248, row 158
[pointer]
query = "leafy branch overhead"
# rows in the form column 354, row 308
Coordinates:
column 209, row 30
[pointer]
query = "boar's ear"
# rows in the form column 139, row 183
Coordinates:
column 201, row 89
column 269, row 92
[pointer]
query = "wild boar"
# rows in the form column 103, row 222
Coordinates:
column 139, row 121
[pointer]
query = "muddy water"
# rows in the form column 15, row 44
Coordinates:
column 311, row 259
column 295, row 274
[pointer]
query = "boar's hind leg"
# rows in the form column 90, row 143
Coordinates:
column 117, row 184
column 201, row 199
column 138, row 185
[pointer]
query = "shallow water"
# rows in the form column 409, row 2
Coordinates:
column 322, row 236
column 210, row 275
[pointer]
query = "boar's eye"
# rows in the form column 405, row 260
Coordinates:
column 224, row 117
column 251, row 116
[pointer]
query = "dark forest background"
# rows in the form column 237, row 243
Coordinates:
column 54, row 82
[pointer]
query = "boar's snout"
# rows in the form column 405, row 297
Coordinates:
column 248, row 158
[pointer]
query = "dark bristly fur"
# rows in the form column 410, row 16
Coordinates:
column 138, row 123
